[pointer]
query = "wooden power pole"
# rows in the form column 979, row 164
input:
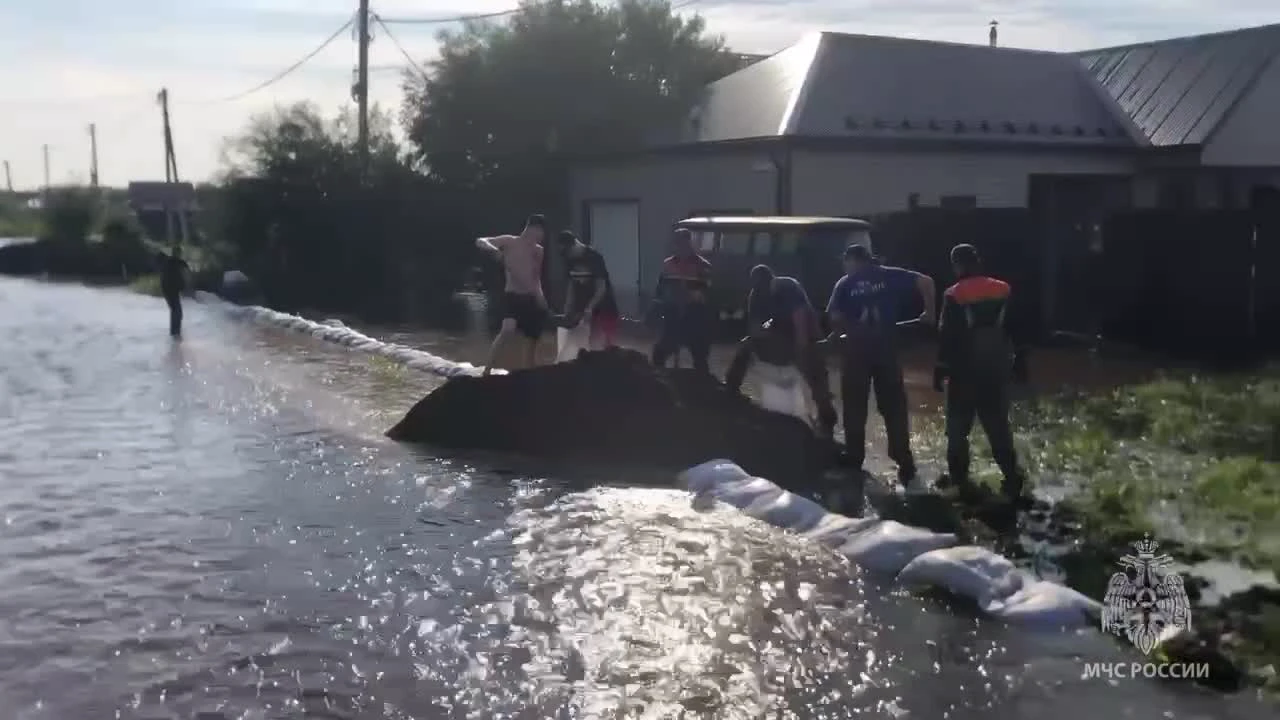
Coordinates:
column 362, row 84
column 170, row 162
column 93, row 156
column 171, row 176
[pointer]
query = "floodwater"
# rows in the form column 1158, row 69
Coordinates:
column 216, row 529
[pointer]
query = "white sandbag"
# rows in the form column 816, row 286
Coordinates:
column 787, row 510
column 782, row 390
column 965, row 570
column 744, row 493
column 571, row 341
column 888, row 546
column 336, row 332
column 1045, row 605
column 834, row 530
column 706, row 476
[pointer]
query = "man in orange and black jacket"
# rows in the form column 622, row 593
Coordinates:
column 977, row 357
column 687, row 316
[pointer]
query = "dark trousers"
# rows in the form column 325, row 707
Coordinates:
column 811, row 363
column 174, row 302
column 685, row 328
column 875, row 366
column 987, row 401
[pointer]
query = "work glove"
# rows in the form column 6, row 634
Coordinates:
column 940, row 379
column 1020, row 368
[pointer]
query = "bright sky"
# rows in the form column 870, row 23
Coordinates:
column 68, row 63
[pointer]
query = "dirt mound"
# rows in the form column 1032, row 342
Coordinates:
column 613, row 406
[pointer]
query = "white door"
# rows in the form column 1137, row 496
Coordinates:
column 615, row 234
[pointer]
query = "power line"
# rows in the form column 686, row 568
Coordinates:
column 391, row 36
column 294, row 67
column 489, row 16
column 453, row 19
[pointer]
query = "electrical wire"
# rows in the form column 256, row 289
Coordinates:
column 489, row 16
column 292, row 68
column 391, row 36
column 453, row 19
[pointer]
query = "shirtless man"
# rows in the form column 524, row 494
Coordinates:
column 524, row 307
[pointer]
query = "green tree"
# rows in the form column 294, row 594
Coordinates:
column 503, row 101
column 318, row 233
column 69, row 215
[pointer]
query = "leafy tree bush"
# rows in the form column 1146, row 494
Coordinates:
column 318, row 233
column 69, row 215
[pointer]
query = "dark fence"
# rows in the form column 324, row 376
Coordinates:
column 1196, row 284
column 1202, row 284
column 1007, row 239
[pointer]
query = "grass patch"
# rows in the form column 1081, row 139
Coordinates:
column 1192, row 460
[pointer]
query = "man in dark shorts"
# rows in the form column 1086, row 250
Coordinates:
column 977, row 358
column 173, row 282
column 864, row 308
column 784, row 330
column 524, row 306
column 590, row 294
column 686, row 310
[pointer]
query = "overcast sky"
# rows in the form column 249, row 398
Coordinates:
column 68, row 63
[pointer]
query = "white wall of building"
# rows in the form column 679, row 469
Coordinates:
column 864, row 183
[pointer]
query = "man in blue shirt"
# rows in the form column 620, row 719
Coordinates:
column 783, row 329
column 865, row 306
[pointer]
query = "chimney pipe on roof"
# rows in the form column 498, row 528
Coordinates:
column 994, row 34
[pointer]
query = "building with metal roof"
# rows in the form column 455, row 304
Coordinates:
column 856, row 125
column 1181, row 92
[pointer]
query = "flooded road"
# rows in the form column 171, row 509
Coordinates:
column 216, row 529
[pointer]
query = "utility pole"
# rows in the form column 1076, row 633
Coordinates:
column 8, row 177
column 46, row 172
column 362, row 84
column 93, row 156
column 170, row 173
column 170, row 162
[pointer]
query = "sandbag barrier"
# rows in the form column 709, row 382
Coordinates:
column 916, row 557
column 335, row 332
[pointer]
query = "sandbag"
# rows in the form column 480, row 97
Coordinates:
column 890, row 545
column 966, row 570
column 571, row 341
column 782, row 390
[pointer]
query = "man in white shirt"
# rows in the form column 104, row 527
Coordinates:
column 524, row 306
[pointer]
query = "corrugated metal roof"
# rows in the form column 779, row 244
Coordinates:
column 752, row 102
column 841, row 85
column 877, row 86
column 1178, row 91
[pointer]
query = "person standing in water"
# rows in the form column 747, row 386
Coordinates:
column 524, row 306
column 977, row 358
column 864, row 307
column 683, row 285
column 173, row 282
column 590, row 295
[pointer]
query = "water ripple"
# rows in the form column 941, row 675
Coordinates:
column 216, row 529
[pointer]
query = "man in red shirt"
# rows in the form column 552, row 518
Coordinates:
column 682, row 298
